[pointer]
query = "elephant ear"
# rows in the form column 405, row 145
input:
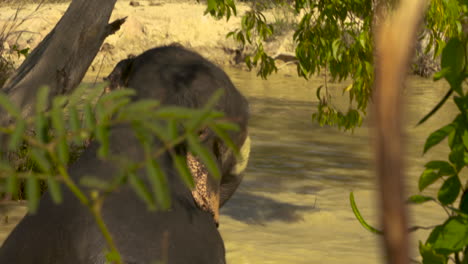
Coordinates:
column 119, row 76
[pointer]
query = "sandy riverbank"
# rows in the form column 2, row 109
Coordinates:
column 150, row 24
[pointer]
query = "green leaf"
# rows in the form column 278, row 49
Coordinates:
column 174, row 112
column 75, row 125
column 427, row 178
column 42, row 128
column 465, row 138
column 62, row 151
column 453, row 58
column 12, row 184
column 358, row 216
column 32, row 193
column 54, row 189
column 206, row 157
column 116, row 95
column 58, row 121
column 195, row 122
column 457, row 157
column 102, row 134
column 42, row 99
column 172, row 130
column 159, row 183
column 113, row 257
column 225, row 138
column 141, row 190
column 437, row 107
column 12, row 109
column 180, row 163
column 90, row 121
column 449, row 191
column 95, row 183
column 227, row 126
column 429, row 256
column 158, row 130
column 211, row 5
column 441, row 74
column 335, row 47
column 437, row 136
column 464, row 202
column 462, row 104
column 143, row 108
column 419, row 199
column 17, row 137
column 77, row 95
column 453, row 236
column 443, row 166
column 39, row 157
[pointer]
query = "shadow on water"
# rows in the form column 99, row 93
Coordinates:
column 258, row 210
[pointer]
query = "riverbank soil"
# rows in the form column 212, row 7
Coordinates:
column 149, row 24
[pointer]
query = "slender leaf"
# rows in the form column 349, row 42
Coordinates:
column 95, row 183
column 206, row 157
column 449, row 191
column 464, row 202
column 225, row 138
column 429, row 255
column 358, row 216
column 42, row 100
column 17, row 137
column 456, row 157
column 75, row 125
column 102, row 134
column 453, row 235
column 32, row 193
column 12, row 184
column 443, row 166
column 89, row 119
column 144, row 108
column 437, row 107
column 42, row 128
column 54, row 189
column 116, row 95
column 180, row 163
column 63, row 151
column 39, row 157
column 58, row 121
column 427, row 178
column 141, row 190
column 159, row 184
column 12, row 109
column 419, row 199
column 437, row 136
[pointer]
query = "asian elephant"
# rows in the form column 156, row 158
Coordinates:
column 186, row 233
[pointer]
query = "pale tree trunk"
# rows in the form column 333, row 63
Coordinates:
column 395, row 40
column 61, row 60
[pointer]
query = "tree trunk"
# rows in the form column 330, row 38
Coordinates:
column 61, row 60
column 395, row 40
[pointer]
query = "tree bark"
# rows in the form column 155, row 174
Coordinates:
column 61, row 60
column 395, row 41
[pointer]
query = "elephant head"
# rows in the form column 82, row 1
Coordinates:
column 176, row 76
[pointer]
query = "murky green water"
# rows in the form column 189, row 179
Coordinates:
column 293, row 205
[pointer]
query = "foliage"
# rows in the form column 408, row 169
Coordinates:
column 449, row 240
column 336, row 36
column 155, row 127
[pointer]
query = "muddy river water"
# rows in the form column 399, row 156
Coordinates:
column 293, row 205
